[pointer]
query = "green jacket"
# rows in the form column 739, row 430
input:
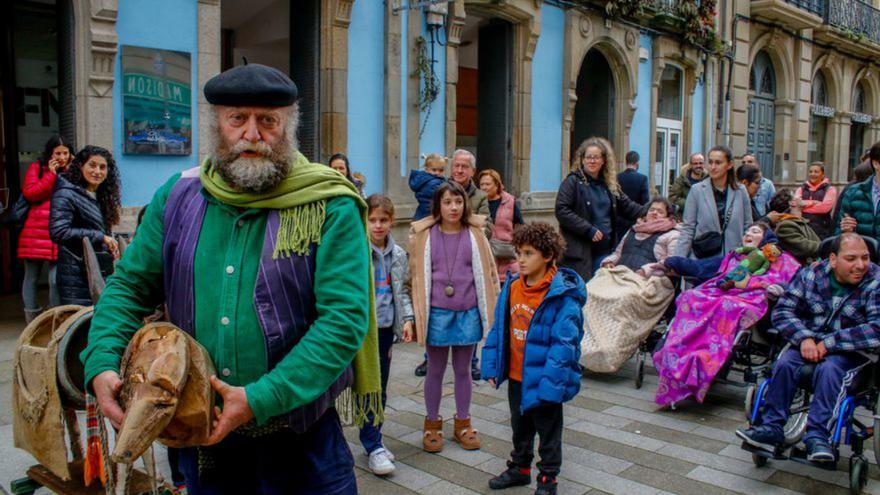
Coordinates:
column 227, row 262
column 858, row 203
column 798, row 238
column 679, row 190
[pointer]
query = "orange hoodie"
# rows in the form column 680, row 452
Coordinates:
column 524, row 301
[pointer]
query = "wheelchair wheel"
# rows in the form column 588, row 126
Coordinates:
column 858, row 474
column 758, row 460
column 640, row 369
column 796, row 425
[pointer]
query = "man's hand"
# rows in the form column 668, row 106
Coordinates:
column 848, row 223
column 809, row 350
column 598, row 236
column 492, row 382
column 235, row 413
column 107, row 386
column 822, row 350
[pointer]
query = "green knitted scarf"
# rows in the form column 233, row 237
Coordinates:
column 301, row 198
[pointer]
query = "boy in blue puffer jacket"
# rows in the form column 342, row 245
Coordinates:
column 424, row 182
column 535, row 342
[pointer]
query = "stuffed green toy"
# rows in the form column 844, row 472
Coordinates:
column 756, row 262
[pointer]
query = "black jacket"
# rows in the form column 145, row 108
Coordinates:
column 74, row 215
column 576, row 221
column 635, row 185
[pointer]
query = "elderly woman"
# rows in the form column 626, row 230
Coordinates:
column 819, row 197
column 505, row 215
column 709, row 316
column 626, row 298
column 588, row 204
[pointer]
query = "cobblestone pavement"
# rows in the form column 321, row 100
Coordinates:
column 616, row 440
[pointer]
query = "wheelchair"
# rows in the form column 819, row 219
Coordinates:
column 752, row 355
column 847, row 430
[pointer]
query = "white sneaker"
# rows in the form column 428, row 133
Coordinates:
column 381, row 462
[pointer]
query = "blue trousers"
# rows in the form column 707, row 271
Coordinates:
column 371, row 436
column 316, row 462
column 831, row 378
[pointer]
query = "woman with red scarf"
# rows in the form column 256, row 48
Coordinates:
column 819, row 197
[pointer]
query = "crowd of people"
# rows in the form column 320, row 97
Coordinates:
column 295, row 285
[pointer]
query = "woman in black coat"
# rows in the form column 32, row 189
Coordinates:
column 85, row 204
column 588, row 205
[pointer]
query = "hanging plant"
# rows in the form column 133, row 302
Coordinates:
column 624, row 8
column 430, row 83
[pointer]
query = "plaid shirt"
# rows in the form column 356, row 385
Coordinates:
column 805, row 310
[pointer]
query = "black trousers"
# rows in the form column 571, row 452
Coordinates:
column 546, row 421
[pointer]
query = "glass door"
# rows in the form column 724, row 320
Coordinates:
column 668, row 163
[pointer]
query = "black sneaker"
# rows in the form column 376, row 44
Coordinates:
column 422, row 369
column 546, row 485
column 819, row 450
column 513, row 476
column 764, row 437
column 475, row 372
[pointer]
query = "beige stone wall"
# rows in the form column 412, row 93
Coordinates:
column 797, row 56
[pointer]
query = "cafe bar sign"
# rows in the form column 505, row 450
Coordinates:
column 156, row 101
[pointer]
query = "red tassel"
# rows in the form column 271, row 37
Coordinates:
column 94, row 463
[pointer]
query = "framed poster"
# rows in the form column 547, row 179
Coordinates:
column 156, row 101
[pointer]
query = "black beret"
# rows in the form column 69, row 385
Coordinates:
column 251, row 85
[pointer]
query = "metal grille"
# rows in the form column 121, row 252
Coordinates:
column 854, row 16
column 815, row 6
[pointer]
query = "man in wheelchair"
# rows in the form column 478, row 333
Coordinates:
column 830, row 315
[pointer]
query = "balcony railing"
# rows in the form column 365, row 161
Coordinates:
column 855, row 18
column 815, row 6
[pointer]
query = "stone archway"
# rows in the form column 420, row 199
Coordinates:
column 525, row 18
column 619, row 49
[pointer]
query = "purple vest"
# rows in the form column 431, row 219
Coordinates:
column 284, row 298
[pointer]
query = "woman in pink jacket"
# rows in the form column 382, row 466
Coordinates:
column 819, row 197
column 35, row 248
column 506, row 216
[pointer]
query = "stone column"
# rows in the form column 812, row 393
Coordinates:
column 795, row 170
column 209, row 66
column 738, row 119
column 395, row 185
column 96, row 31
column 335, row 20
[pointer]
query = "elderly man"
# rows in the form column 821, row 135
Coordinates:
column 694, row 172
column 263, row 258
column 766, row 189
column 464, row 166
column 828, row 312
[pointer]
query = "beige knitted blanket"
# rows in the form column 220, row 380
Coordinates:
column 622, row 308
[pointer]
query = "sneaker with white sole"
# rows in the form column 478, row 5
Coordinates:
column 381, row 462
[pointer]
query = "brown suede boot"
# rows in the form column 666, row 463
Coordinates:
column 465, row 435
column 433, row 440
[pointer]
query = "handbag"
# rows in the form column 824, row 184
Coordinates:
column 19, row 212
column 709, row 244
column 502, row 250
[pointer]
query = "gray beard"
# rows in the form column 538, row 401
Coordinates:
column 256, row 175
